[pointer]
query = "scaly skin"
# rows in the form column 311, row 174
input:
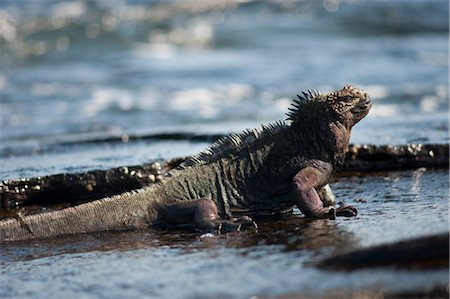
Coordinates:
column 263, row 171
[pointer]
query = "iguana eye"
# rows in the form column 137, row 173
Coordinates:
column 348, row 99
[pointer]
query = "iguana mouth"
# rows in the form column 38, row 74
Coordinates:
column 367, row 103
column 362, row 108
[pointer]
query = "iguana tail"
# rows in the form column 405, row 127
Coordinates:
column 129, row 210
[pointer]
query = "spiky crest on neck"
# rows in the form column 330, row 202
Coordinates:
column 232, row 145
column 310, row 105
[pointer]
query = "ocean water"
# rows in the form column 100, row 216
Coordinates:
column 80, row 70
column 74, row 73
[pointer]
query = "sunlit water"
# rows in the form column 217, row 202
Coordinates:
column 79, row 71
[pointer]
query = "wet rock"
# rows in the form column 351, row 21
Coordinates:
column 81, row 187
column 396, row 157
column 76, row 188
column 436, row 292
column 426, row 252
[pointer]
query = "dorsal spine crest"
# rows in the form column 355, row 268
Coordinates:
column 232, row 144
column 307, row 97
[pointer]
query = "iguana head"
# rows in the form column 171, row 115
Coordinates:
column 349, row 105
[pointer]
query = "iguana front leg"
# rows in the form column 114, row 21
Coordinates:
column 306, row 182
column 306, row 197
column 202, row 214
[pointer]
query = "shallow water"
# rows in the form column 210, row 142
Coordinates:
column 74, row 73
column 278, row 260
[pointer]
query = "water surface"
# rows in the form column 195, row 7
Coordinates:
column 278, row 260
column 79, row 70
column 73, row 72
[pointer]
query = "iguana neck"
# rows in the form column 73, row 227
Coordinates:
column 322, row 136
column 341, row 140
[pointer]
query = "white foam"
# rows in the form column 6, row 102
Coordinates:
column 69, row 9
column 384, row 110
column 377, row 92
column 155, row 50
column 429, row 103
column 201, row 100
column 105, row 98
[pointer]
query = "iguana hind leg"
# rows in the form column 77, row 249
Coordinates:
column 202, row 214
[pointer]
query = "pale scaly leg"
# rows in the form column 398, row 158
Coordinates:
column 326, row 196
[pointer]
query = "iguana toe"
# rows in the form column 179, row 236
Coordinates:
column 236, row 225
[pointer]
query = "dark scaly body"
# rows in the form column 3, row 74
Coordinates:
column 237, row 183
column 255, row 181
column 258, row 172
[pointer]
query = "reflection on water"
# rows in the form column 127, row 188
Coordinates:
column 398, row 205
column 287, row 234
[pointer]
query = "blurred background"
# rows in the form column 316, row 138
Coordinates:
column 80, row 80
column 73, row 73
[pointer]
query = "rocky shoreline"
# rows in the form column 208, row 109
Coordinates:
column 68, row 188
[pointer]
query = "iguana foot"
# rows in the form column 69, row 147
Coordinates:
column 236, row 225
column 202, row 215
column 346, row 211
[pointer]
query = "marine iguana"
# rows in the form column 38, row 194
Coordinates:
column 262, row 171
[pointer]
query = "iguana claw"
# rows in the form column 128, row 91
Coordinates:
column 236, row 225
